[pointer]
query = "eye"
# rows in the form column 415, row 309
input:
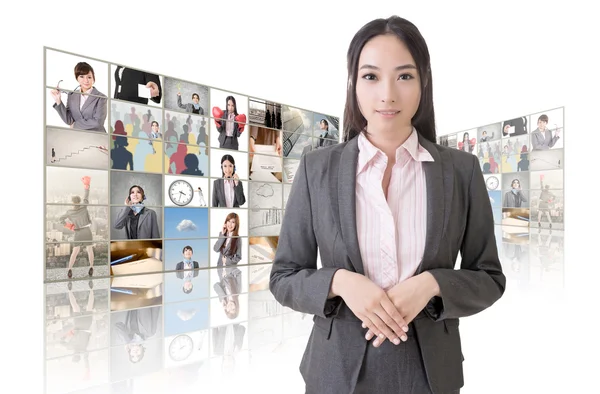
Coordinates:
column 369, row 77
column 406, row 77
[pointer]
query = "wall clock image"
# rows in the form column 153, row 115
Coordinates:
column 492, row 183
column 181, row 192
column 181, row 347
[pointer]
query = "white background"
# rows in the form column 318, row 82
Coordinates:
column 488, row 65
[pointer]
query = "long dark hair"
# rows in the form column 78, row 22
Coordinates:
column 407, row 32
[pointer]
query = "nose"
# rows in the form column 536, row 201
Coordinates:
column 388, row 93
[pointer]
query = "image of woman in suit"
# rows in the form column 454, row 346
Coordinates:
column 386, row 309
column 229, row 245
column 514, row 198
column 78, row 219
column 86, row 107
column 228, row 191
column 139, row 221
column 227, row 124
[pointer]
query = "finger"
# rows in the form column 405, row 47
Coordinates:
column 396, row 322
column 384, row 329
column 372, row 328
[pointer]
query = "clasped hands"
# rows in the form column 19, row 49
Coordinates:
column 387, row 314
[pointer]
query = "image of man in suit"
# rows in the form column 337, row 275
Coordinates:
column 128, row 81
column 86, row 109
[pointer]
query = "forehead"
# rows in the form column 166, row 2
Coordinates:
column 385, row 51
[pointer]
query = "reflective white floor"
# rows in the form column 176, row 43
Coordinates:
column 176, row 334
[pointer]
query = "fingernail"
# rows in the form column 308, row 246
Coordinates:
column 404, row 338
column 376, row 343
column 396, row 341
column 381, row 336
column 369, row 336
column 405, row 328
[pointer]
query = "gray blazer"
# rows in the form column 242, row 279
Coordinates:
column 231, row 258
column 323, row 219
column 218, row 194
column 90, row 117
column 147, row 223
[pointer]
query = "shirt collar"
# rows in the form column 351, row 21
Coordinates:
column 368, row 151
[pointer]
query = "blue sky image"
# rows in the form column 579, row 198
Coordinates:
column 183, row 317
column 186, row 222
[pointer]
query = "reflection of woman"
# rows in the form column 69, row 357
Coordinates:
column 86, row 109
column 227, row 124
column 140, row 325
column 78, row 220
column 386, row 299
column 229, row 245
column 139, row 222
column 228, row 191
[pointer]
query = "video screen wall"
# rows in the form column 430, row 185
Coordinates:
column 147, row 173
column 522, row 161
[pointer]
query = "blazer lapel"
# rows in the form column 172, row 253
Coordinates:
column 342, row 189
column 143, row 216
column 439, row 176
column 89, row 99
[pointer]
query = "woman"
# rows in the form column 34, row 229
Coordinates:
column 230, row 124
column 139, row 222
column 86, row 109
column 229, row 245
column 78, row 219
column 228, row 191
column 514, row 198
column 388, row 210
column 193, row 107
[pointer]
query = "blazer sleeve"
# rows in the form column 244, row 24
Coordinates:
column 239, row 193
column 215, row 199
column 219, row 242
column 154, row 231
column 479, row 282
column 295, row 281
column 64, row 112
column 235, row 258
column 97, row 118
column 121, row 218
column 148, row 77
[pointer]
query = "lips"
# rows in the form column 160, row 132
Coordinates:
column 388, row 112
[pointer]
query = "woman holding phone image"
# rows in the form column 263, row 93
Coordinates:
column 228, row 191
column 229, row 245
column 139, row 221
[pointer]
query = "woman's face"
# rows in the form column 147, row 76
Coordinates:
column 187, row 254
column 86, row 81
column 388, row 88
column 136, row 195
column 230, row 106
column 230, row 224
column 465, row 137
column 322, row 125
column 195, row 99
column 228, row 168
column 516, row 184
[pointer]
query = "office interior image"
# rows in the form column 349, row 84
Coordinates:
column 162, row 215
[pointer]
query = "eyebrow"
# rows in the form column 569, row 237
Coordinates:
column 403, row 67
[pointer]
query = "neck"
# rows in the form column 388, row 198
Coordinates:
column 389, row 141
column 84, row 90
